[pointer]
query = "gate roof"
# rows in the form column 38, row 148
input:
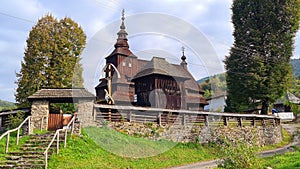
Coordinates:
column 61, row 95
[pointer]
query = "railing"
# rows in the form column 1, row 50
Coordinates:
column 18, row 133
column 56, row 136
column 167, row 116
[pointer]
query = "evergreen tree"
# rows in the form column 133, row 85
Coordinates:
column 258, row 69
column 51, row 58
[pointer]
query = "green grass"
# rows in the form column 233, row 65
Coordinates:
column 289, row 160
column 95, row 152
column 12, row 144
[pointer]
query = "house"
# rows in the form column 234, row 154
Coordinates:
column 216, row 103
column 148, row 83
column 281, row 106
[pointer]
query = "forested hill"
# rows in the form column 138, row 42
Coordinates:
column 296, row 67
column 6, row 105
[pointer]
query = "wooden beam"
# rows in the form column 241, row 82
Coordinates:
column 225, row 119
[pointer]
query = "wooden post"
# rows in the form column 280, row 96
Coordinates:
column 65, row 141
column 73, row 125
column 206, row 120
column 240, row 122
column 183, row 119
column 29, row 125
column 7, row 142
column 46, row 159
column 129, row 116
column 159, row 119
column 109, row 87
column 57, row 143
column 253, row 121
column 18, row 136
column 225, row 121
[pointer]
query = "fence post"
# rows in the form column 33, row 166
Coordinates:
column 29, row 127
column 253, row 121
column 57, row 143
column 18, row 136
column 206, row 120
column 7, row 142
column 240, row 122
column 65, row 141
column 73, row 125
column 159, row 119
column 225, row 121
column 46, row 160
column 183, row 119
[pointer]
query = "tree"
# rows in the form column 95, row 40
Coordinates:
column 51, row 58
column 258, row 68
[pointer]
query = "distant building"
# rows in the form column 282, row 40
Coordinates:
column 155, row 83
column 216, row 103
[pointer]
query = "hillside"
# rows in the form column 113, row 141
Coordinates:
column 6, row 105
column 296, row 67
column 214, row 85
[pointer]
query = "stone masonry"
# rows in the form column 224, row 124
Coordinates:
column 85, row 112
column 39, row 115
column 252, row 135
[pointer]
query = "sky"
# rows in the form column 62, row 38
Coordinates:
column 155, row 28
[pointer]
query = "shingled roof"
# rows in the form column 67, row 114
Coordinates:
column 77, row 93
column 160, row 66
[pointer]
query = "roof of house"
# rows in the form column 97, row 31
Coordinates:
column 65, row 93
column 290, row 97
column 160, row 66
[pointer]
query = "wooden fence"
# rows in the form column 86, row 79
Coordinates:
column 184, row 117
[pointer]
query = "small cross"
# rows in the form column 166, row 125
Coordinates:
column 123, row 14
column 182, row 49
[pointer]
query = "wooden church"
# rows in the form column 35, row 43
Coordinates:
column 155, row 83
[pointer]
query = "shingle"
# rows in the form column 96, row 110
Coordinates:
column 61, row 93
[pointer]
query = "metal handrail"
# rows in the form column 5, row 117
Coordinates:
column 56, row 136
column 18, row 133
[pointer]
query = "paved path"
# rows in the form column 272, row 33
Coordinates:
column 292, row 129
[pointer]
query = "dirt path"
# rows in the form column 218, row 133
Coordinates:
column 293, row 129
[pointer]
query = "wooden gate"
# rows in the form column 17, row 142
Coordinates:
column 55, row 121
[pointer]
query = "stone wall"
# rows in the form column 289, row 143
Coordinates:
column 85, row 112
column 39, row 115
column 253, row 135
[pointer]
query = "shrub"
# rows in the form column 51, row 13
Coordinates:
column 238, row 155
column 15, row 120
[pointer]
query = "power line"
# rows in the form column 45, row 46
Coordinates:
column 16, row 17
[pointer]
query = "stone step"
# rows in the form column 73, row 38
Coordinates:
column 6, row 166
column 32, row 161
column 13, row 157
column 29, row 166
column 33, row 148
column 33, row 156
column 25, row 153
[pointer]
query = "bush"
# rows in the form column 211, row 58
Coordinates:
column 15, row 120
column 238, row 155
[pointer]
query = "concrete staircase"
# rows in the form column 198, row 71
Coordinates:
column 31, row 154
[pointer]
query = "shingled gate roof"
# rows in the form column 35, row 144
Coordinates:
column 77, row 93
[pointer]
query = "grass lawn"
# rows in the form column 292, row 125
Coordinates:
column 289, row 160
column 101, row 150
